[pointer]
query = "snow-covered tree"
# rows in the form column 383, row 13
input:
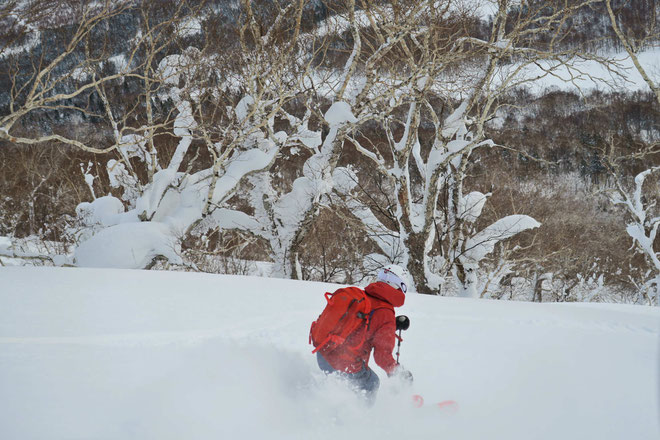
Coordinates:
column 639, row 201
column 633, row 44
column 227, row 104
column 55, row 79
column 642, row 226
column 64, row 72
column 357, row 93
column 490, row 68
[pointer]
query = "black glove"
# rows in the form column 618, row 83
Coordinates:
column 405, row 375
column 402, row 322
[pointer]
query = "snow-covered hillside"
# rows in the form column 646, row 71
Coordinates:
column 122, row 354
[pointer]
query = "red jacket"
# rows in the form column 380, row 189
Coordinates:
column 380, row 333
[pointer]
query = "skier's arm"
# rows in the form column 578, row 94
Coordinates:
column 383, row 341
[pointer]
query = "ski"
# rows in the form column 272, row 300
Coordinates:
column 445, row 405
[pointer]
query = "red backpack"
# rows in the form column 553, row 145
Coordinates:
column 347, row 309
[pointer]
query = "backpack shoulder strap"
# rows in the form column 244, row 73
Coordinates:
column 379, row 307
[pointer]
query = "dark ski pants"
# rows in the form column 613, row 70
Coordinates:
column 365, row 381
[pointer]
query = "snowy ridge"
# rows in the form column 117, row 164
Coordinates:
column 107, row 354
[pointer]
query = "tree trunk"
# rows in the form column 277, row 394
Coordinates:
column 415, row 245
column 538, row 289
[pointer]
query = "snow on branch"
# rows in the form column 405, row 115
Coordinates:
column 642, row 229
column 483, row 243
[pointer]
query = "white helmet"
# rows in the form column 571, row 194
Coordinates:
column 395, row 276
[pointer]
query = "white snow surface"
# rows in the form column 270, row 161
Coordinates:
column 128, row 354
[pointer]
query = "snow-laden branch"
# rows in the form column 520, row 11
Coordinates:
column 643, row 227
column 483, row 243
column 174, row 201
column 387, row 240
column 653, row 85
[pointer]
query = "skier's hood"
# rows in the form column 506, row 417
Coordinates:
column 386, row 292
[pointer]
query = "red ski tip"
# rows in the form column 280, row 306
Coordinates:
column 418, row 401
column 448, row 405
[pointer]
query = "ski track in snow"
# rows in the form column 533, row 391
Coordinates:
column 123, row 354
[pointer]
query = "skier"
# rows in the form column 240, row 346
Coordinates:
column 350, row 358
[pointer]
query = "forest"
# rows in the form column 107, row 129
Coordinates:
column 495, row 148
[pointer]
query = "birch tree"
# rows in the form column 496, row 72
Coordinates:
column 39, row 83
column 648, row 34
column 357, row 93
column 511, row 56
column 60, row 62
column 639, row 200
column 641, row 208
column 227, row 101
column 217, row 100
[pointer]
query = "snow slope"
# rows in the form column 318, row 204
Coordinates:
column 122, row 354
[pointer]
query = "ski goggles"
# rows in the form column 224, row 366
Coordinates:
column 389, row 277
